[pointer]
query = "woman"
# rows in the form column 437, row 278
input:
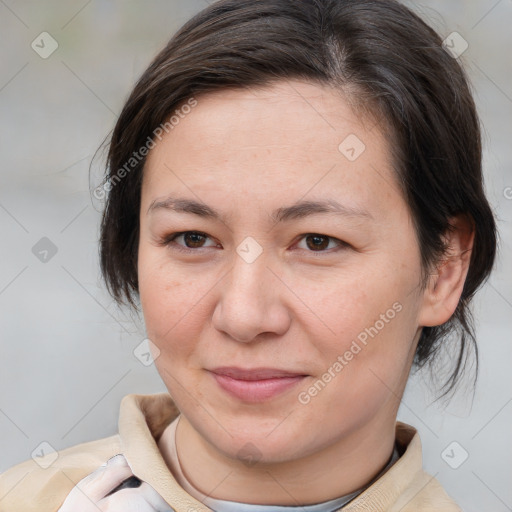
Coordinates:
column 295, row 200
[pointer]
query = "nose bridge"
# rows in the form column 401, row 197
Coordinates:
column 249, row 302
column 250, row 277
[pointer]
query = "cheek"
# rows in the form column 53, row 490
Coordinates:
column 372, row 324
column 171, row 304
column 368, row 360
column 359, row 305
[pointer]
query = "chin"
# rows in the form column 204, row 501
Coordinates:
column 261, row 439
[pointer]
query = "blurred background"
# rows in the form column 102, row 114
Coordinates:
column 67, row 352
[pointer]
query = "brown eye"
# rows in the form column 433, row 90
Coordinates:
column 317, row 242
column 193, row 239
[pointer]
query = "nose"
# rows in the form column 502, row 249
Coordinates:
column 252, row 302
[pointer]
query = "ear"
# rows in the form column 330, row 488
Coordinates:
column 444, row 288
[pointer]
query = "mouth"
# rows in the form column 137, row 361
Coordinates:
column 255, row 384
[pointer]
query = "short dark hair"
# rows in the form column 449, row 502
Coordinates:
column 377, row 51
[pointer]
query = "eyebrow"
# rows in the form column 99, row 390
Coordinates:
column 297, row 210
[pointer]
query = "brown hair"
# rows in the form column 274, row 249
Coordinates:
column 373, row 49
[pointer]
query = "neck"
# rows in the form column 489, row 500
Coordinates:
column 337, row 470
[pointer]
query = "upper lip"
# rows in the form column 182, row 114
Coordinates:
column 254, row 373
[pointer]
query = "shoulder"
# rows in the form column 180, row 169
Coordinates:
column 43, row 485
column 405, row 486
column 424, row 493
column 420, row 491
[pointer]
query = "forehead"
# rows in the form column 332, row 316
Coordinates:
column 282, row 114
column 290, row 138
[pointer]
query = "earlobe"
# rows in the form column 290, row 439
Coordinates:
column 442, row 293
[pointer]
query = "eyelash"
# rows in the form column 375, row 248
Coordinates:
column 168, row 241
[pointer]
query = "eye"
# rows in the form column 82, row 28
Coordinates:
column 316, row 242
column 192, row 239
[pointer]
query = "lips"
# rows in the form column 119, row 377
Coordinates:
column 254, row 373
column 255, row 384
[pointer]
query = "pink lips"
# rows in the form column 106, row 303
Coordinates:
column 257, row 384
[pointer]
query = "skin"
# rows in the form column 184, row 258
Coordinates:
column 295, row 307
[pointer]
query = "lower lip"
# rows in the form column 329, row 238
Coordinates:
column 256, row 390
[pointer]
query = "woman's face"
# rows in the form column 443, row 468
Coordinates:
column 279, row 323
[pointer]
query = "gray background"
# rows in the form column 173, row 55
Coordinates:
column 67, row 351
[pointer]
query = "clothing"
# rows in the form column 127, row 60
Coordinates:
column 232, row 506
column 27, row 487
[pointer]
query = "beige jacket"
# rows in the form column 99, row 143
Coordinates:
column 27, row 487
